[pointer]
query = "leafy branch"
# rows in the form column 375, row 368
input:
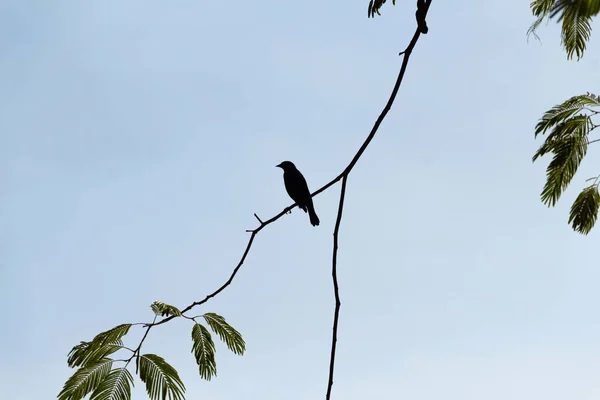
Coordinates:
column 96, row 374
column 568, row 127
column 575, row 16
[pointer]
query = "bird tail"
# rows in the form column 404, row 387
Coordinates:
column 314, row 220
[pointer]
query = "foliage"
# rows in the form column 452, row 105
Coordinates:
column 569, row 125
column 100, row 347
column 232, row 338
column 374, row 6
column 162, row 309
column 97, row 377
column 204, row 351
column 85, row 380
column 161, row 379
column 576, row 17
column 584, row 212
column 116, row 386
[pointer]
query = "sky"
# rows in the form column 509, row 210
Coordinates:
column 137, row 139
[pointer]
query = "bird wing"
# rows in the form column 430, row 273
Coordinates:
column 297, row 188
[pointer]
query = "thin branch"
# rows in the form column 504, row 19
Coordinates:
column 136, row 352
column 338, row 303
column 344, row 175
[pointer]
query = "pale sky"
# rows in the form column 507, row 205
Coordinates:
column 137, row 139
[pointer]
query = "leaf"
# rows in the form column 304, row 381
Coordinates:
column 568, row 153
column 116, row 386
column 85, row 380
column 232, row 338
column 204, row 351
column 86, row 353
column 103, row 344
column 568, row 108
column 161, row 379
column 163, row 309
column 374, row 6
column 576, row 30
column 575, row 17
column 584, row 211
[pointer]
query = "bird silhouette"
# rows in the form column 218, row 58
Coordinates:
column 296, row 187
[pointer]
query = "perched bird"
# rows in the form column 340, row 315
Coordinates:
column 296, row 187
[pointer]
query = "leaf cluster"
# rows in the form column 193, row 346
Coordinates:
column 97, row 377
column 567, row 127
column 164, row 310
column 575, row 16
column 95, row 374
column 204, row 347
column 374, row 6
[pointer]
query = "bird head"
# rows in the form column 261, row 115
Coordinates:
column 287, row 166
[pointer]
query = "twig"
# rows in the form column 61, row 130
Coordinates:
column 406, row 53
column 136, row 352
column 343, row 176
column 338, row 303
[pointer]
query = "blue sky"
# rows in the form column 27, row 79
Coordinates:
column 137, row 139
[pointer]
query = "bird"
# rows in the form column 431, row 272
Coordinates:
column 296, row 187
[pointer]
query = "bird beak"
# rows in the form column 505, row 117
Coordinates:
column 278, row 165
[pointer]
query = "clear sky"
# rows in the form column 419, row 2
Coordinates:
column 137, row 139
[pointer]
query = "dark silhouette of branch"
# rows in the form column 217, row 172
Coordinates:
column 407, row 52
column 344, row 177
column 336, row 291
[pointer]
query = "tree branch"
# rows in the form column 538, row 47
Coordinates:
column 338, row 303
column 344, row 177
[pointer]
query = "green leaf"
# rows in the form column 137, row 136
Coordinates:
column 576, row 30
column 86, row 353
column 204, row 351
column 161, row 379
column 584, row 211
column 232, row 338
column 568, row 153
column 116, row 386
column 102, row 345
column 575, row 16
column 163, row 309
column 85, row 380
column 567, row 109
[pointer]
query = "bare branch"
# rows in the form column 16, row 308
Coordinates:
column 338, row 303
column 344, row 177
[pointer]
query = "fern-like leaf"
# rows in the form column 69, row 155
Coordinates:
column 575, row 16
column 163, row 309
column 584, row 211
column 103, row 344
column 568, row 154
column 204, row 351
column 116, row 386
column 161, row 379
column 87, row 353
column 85, row 380
column 567, row 109
column 576, row 30
column 232, row 338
